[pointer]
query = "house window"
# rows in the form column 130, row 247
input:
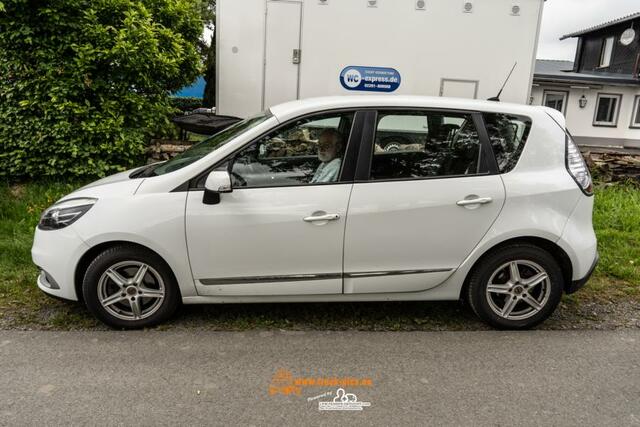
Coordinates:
column 607, row 51
column 556, row 100
column 607, row 109
column 635, row 117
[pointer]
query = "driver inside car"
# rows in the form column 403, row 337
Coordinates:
column 329, row 149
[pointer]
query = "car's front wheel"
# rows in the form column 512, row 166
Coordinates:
column 516, row 287
column 130, row 287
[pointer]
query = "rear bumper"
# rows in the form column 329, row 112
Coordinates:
column 577, row 284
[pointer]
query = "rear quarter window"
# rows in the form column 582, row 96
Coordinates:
column 508, row 135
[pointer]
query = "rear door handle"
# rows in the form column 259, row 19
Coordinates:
column 326, row 217
column 478, row 201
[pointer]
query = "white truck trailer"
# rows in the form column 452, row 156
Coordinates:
column 273, row 51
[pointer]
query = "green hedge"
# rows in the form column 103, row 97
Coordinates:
column 186, row 104
column 85, row 83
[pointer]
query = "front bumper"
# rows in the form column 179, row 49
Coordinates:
column 57, row 253
column 577, row 284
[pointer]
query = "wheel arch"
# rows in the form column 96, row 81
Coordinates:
column 92, row 253
column 551, row 247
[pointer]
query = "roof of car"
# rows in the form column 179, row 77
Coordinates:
column 292, row 109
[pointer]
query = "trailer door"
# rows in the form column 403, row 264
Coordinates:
column 282, row 52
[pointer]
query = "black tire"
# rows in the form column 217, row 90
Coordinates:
column 479, row 280
column 390, row 141
column 126, row 253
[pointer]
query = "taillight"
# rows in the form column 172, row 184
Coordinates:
column 577, row 167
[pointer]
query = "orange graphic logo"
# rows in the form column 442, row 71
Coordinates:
column 283, row 382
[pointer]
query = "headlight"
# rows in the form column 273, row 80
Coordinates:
column 65, row 213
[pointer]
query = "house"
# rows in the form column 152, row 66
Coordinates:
column 273, row 51
column 599, row 92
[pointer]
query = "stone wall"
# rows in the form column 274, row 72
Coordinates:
column 164, row 149
column 613, row 165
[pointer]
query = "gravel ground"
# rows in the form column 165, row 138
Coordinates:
column 572, row 313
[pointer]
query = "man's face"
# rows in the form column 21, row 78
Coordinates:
column 327, row 149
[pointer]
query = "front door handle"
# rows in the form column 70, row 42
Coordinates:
column 476, row 201
column 319, row 218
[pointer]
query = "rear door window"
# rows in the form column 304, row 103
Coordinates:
column 424, row 144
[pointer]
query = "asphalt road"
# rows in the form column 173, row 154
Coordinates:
column 224, row 378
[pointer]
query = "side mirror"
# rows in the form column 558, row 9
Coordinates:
column 217, row 182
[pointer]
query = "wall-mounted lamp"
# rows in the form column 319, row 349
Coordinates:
column 582, row 101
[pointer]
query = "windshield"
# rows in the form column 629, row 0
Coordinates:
column 207, row 146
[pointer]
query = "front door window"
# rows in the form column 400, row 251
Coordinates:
column 309, row 151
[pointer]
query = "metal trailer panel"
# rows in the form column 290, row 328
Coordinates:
column 442, row 43
column 240, row 28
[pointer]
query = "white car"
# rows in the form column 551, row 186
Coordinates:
column 490, row 203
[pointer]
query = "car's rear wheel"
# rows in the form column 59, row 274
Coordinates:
column 516, row 287
column 130, row 287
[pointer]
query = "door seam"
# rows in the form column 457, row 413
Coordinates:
column 344, row 233
column 186, row 242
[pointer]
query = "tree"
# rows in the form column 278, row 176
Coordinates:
column 85, row 83
column 209, row 54
column 210, row 74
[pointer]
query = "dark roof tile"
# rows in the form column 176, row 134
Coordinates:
column 601, row 26
column 562, row 71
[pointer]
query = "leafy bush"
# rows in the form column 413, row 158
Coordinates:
column 85, row 83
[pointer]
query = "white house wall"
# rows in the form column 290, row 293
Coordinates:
column 425, row 47
column 580, row 120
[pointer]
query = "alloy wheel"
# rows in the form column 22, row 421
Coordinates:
column 518, row 290
column 131, row 290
